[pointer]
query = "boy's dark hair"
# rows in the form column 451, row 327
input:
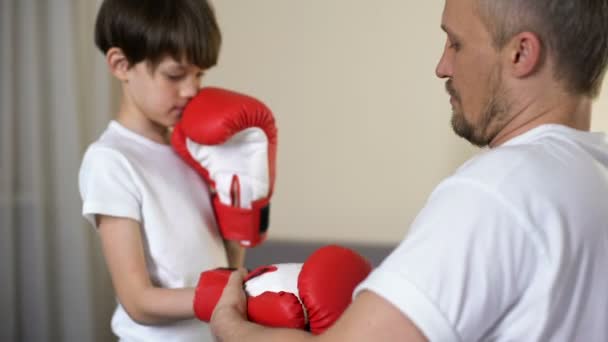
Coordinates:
column 150, row 30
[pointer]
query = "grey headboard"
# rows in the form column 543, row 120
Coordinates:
column 274, row 252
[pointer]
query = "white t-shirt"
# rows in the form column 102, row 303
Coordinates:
column 127, row 175
column 512, row 247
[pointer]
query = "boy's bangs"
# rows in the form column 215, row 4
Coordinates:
column 185, row 41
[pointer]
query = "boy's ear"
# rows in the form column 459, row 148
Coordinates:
column 117, row 63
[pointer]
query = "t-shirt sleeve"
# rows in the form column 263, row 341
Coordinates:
column 107, row 185
column 466, row 261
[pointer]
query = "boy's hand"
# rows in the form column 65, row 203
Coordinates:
column 231, row 309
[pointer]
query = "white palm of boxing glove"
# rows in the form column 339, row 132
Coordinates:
column 230, row 139
column 244, row 156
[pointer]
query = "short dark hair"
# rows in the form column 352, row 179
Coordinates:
column 153, row 29
column 575, row 32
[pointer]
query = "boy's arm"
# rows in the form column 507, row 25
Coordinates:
column 124, row 254
column 235, row 253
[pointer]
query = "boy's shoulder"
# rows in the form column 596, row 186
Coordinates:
column 113, row 136
column 109, row 145
column 117, row 139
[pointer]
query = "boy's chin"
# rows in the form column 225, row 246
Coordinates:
column 166, row 123
column 175, row 115
column 173, row 119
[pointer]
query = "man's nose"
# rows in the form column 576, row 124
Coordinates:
column 443, row 68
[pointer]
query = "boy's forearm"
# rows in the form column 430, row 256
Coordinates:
column 154, row 305
column 235, row 253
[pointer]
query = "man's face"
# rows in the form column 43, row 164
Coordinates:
column 472, row 67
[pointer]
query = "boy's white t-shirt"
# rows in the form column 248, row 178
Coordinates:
column 512, row 247
column 124, row 174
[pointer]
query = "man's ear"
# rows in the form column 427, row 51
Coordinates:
column 525, row 54
column 117, row 63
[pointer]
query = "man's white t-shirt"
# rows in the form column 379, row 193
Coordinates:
column 127, row 175
column 512, row 247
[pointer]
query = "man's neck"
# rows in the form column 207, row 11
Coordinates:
column 550, row 108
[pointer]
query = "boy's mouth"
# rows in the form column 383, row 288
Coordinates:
column 178, row 110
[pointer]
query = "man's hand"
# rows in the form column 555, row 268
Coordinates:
column 231, row 309
column 229, row 319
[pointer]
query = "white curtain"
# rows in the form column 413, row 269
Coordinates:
column 56, row 96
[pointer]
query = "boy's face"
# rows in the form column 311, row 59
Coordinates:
column 160, row 94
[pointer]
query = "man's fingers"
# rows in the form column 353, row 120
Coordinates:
column 233, row 294
column 237, row 277
column 232, row 305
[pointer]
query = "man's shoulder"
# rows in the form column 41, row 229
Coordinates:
column 506, row 164
column 546, row 152
column 544, row 166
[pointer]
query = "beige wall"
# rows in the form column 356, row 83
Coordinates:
column 364, row 132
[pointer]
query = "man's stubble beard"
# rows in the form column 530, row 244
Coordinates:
column 493, row 116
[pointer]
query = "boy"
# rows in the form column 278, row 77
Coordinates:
column 152, row 211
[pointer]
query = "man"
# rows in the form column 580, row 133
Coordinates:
column 514, row 245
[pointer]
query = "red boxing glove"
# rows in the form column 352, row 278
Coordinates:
column 326, row 284
column 230, row 139
column 313, row 294
column 276, row 306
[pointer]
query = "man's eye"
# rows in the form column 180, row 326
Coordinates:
column 454, row 45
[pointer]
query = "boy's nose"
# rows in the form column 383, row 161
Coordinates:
column 190, row 89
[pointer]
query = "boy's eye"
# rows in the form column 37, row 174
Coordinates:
column 175, row 77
